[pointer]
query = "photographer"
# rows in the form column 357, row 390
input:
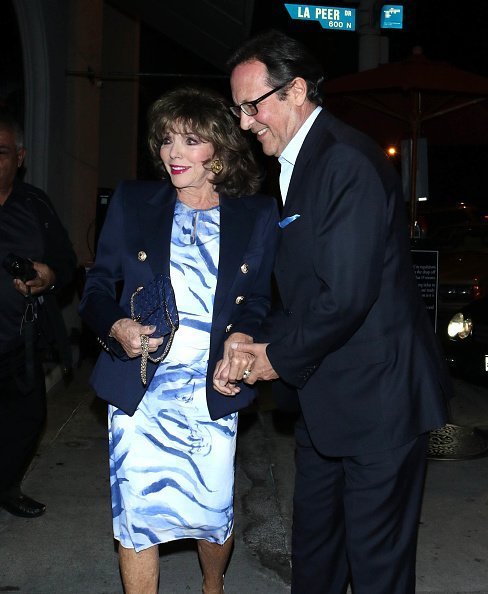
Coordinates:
column 33, row 245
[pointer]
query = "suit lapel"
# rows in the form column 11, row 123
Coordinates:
column 236, row 224
column 156, row 221
column 298, row 185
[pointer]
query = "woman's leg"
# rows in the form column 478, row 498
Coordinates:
column 140, row 571
column 213, row 559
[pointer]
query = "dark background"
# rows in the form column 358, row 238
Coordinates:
column 450, row 30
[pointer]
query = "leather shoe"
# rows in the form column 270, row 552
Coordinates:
column 22, row 506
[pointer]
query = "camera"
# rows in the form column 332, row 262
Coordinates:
column 19, row 267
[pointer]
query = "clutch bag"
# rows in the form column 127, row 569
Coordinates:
column 155, row 305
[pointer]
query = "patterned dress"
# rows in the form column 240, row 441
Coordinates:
column 171, row 466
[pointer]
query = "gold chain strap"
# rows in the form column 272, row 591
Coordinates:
column 132, row 312
column 144, row 357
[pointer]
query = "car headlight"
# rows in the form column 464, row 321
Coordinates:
column 459, row 326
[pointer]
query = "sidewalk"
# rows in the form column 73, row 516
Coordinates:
column 70, row 549
column 453, row 534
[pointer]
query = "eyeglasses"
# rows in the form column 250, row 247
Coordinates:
column 250, row 107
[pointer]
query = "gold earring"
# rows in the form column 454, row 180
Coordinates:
column 216, row 166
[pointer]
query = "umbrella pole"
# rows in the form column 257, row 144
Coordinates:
column 415, row 121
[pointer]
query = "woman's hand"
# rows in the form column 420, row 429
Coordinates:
column 129, row 333
column 230, row 369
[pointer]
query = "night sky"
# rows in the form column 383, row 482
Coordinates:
column 448, row 30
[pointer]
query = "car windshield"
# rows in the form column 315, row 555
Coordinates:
column 472, row 239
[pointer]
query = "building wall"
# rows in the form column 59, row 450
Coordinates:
column 81, row 138
column 80, row 131
column 119, row 98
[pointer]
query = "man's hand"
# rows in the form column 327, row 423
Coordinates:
column 257, row 367
column 261, row 367
column 128, row 333
column 44, row 280
column 232, row 365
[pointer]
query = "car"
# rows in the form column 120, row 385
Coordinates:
column 463, row 266
column 466, row 341
column 431, row 219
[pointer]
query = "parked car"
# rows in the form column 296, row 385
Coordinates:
column 463, row 266
column 431, row 219
column 466, row 341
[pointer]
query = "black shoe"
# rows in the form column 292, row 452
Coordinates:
column 22, row 506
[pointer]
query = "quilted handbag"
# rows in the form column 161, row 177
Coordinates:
column 155, row 305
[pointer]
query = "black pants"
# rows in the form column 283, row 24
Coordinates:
column 22, row 416
column 355, row 519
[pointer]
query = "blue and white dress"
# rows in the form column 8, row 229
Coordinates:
column 171, row 466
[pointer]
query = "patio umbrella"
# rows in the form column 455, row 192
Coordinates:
column 413, row 98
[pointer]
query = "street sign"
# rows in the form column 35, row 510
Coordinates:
column 392, row 16
column 330, row 17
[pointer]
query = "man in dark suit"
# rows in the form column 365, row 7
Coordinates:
column 353, row 338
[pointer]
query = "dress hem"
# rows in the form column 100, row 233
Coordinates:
column 173, row 539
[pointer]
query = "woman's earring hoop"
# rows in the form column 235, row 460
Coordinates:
column 216, row 166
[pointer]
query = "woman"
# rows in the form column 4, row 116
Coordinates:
column 172, row 444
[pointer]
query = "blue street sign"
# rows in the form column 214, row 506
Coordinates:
column 392, row 16
column 330, row 17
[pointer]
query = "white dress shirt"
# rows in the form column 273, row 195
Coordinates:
column 289, row 156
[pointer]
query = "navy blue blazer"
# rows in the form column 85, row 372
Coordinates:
column 140, row 219
column 354, row 338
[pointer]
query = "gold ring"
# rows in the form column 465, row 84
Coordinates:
column 246, row 373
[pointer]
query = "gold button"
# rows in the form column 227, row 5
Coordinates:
column 245, row 268
column 141, row 256
column 228, row 328
column 239, row 299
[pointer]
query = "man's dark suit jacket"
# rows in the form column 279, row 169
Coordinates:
column 139, row 221
column 30, row 228
column 354, row 337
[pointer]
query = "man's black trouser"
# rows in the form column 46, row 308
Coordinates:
column 22, row 416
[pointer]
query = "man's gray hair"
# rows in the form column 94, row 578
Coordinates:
column 7, row 121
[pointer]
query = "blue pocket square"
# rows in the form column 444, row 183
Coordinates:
column 288, row 220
